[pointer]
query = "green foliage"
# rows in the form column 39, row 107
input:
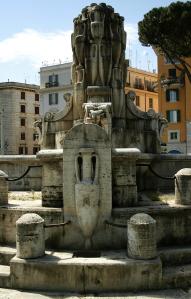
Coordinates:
column 168, row 29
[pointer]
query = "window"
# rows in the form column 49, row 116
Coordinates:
column 23, row 108
column 23, row 150
column 36, row 110
column 53, row 98
column 22, row 136
column 137, row 100
column 53, row 79
column 173, row 116
column 36, row 97
column 35, row 136
column 23, row 122
column 22, row 95
column 172, row 73
column 150, row 103
column 174, row 135
column 169, row 61
column 35, row 149
column 138, row 83
column 172, row 95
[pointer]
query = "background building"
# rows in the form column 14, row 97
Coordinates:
column 143, row 84
column 19, row 109
column 174, row 91
column 55, row 81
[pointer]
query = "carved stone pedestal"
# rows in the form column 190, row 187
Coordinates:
column 3, row 188
column 124, row 177
column 52, row 194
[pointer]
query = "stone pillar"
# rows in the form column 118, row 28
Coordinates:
column 183, row 186
column 52, row 174
column 124, row 176
column 3, row 188
column 30, row 240
column 141, row 236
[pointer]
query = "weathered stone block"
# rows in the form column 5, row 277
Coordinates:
column 52, row 196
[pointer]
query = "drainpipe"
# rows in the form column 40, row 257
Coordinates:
column 2, row 132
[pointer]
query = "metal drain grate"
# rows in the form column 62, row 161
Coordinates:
column 84, row 253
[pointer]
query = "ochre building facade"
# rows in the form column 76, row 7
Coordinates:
column 143, row 83
column 174, row 91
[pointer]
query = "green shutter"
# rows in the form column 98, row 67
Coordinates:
column 56, row 98
column 167, row 95
column 50, row 79
column 177, row 94
column 168, row 115
column 178, row 115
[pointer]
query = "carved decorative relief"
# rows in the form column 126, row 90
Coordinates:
column 87, row 192
column 98, row 45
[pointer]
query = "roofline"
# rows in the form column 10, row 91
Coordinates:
column 10, row 84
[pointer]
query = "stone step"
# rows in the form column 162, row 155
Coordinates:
column 177, row 276
column 174, row 256
column 69, row 272
column 4, row 276
column 6, row 254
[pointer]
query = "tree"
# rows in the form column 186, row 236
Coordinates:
column 168, row 30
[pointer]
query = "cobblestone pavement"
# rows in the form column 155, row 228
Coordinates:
column 164, row 294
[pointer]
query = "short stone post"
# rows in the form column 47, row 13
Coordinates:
column 30, row 240
column 183, row 186
column 141, row 235
column 3, row 188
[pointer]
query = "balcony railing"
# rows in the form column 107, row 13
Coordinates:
column 51, row 84
column 138, row 86
column 175, row 81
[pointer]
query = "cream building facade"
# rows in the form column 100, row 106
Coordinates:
column 19, row 109
column 55, row 82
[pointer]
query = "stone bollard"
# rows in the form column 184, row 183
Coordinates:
column 141, row 235
column 183, row 186
column 30, row 240
column 3, row 188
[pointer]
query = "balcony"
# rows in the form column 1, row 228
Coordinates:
column 51, row 84
column 138, row 86
column 172, row 82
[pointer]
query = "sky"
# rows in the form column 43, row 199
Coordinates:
column 36, row 33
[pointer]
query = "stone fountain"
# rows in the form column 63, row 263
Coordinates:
column 107, row 240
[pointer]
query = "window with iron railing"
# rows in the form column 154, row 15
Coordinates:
column 138, row 83
column 52, row 81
